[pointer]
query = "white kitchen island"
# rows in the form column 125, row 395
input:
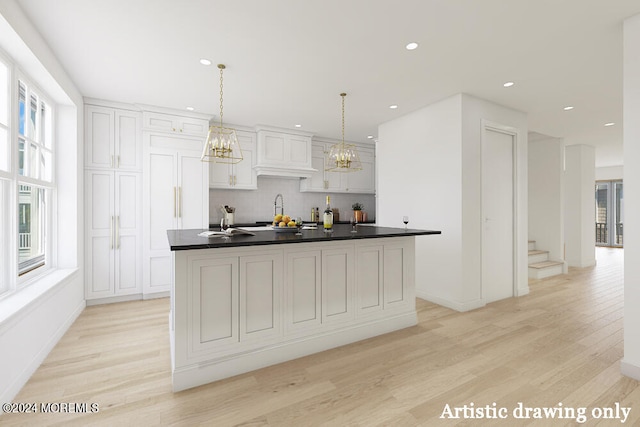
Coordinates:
column 254, row 301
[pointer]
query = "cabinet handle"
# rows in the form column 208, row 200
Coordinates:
column 179, row 202
column 235, row 180
column 230, row 179
column 173, row 129
column 118, row 232
column 118, row 162
column 180, row 130
column 111, row 233
column 174, row 201
column 111, row 164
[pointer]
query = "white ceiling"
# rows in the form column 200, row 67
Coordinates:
column 288, row 60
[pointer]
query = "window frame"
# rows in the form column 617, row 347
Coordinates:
column 11, row 281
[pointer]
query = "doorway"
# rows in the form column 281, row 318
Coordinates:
column 498, row 213
column 609, row 213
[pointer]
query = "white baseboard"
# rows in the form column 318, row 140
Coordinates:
column 454, row 305
column 203, row 373
column 156, row 295
column 111, row 300
column 629, row 370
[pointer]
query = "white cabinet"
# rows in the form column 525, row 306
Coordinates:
column 303, row 290
column 282, row 153
column 113, row 138
column 240, row 176
column 176, row 196
column 153, row 121
column 113, row 223
column 359, row 182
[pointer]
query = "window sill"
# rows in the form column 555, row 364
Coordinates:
column 17, row 301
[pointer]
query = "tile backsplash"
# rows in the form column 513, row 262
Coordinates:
column 257, row 205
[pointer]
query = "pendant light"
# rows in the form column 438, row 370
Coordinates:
column 221, row 145
column 343, row 157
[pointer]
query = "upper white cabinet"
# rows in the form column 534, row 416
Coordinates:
column 183, row 125
column 283, row 153
column 362, row 181
column 113, row 138
column 176, row 196
column 242, row 175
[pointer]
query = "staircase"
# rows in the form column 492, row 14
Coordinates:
column 539, row 264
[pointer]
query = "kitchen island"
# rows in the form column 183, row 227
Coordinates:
column 252, row 301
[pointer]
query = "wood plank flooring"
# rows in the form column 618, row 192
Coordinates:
column 560, row 343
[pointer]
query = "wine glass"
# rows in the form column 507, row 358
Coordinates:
column 354, row 224
column 224, row 226
column 405, row 219
column 299, row 225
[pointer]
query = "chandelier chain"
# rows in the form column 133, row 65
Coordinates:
column 221, row 68
column 343, row 95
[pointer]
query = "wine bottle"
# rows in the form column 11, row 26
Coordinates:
column 328, row 217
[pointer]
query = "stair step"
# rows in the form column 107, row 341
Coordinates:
column 545, row 264
column 532, row 245
column 537, row 252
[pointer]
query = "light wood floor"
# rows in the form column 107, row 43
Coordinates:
column 561, row 343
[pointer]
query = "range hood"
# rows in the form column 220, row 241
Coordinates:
column 283, row 152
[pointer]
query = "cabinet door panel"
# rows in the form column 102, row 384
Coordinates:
column 299, row 150
column 369, row 282
column 220, row 175
column 260, row 295
column 337, row 284
column 160, row 273
column 274, row 148
column 193, row 192
column 127, row 140
column 213, row 303
column 303, row 285
column 127, row 264
column 362, row 181
column 100, row 137
column 101, row 280
column 162, row 198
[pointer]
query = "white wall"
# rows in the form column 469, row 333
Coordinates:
column 429, row 168
column 546, row 195
column 580, row 239
column 419, row 169
column 34, row 319
column 609, row 173
column 630, row 365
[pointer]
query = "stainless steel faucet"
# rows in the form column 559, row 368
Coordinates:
column 275, row 205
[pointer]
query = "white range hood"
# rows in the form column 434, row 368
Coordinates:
column 283, row 152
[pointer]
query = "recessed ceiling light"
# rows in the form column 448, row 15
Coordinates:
column 609, row 124
column 508, row 84
column 190, row 108
column 568, row 107
column 393, row 107
column 369, row 136
column 298, row 126
column 412, row 46
column 205, row 61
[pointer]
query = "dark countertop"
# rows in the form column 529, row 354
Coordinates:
column 253, row 224
column 181, row 240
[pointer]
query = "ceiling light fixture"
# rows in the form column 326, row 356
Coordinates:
column 369, row 136
column 343, row 157
column 190, row 108
column 205, row 61
column 393, row 107
column 221, row 145
column 508, row 84
column 412, row 46
column 568, row 107
column 298, row 126
column 609, row 124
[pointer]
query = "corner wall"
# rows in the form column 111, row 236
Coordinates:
column 41, row 313
column 630, row 364
column 429, row 167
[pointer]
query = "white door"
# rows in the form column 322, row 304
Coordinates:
column 498, row 215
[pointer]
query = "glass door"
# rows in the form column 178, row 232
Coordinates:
column 609, row 213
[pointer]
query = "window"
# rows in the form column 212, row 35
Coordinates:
column 27, row 187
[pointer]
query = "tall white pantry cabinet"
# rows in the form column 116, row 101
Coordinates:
column 175, row 189
column 143, row 176
column 113, row 202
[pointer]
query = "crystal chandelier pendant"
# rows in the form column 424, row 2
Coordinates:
column 343, row 157
column 221, row 145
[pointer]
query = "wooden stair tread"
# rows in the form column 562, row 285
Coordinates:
column 544, row 264
column 537, row 252
column 532, row 241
